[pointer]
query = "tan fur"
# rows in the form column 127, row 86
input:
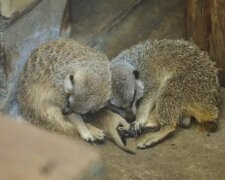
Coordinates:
column 180, row 82
column 42, row 93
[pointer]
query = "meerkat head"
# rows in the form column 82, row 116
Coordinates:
column 87, row 90
column 127, row 89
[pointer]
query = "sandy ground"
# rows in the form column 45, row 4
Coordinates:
column 190, row 153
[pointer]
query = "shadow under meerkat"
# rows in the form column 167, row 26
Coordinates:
column 174, row 81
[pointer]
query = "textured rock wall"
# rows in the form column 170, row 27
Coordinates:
column 30, row 153
column 20, row 35
column 10, row 7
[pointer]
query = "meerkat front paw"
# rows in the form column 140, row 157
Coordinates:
column 87, row 136
column 98, row 134
column 138, row 126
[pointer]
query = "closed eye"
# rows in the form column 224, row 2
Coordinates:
column 135, row 92
column 68, row 99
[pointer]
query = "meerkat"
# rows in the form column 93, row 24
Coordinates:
column 63, row 69
column 174, row 81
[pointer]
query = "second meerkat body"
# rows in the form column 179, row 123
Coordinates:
column 59, row 70
column 179, row 82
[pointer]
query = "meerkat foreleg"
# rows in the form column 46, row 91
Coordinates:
column 142, row 117
column 89, row 134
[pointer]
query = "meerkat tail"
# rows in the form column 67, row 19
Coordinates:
column 203, row 115
column 116, row 138
column 208, row 118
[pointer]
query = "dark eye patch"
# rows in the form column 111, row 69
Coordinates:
column 136, row 74
column 71, row 79
column 67, row 100
column 66, row 108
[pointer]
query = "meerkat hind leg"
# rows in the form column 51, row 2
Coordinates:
column 117, row 130
column 125, row 129
column 55, row 119
column 123, row 124
column 113, row 121
column 153, row 139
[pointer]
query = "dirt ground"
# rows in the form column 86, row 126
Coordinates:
column 190, row 153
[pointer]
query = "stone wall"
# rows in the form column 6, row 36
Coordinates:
column 21, row 34
column 10, row 7
column 28, row 152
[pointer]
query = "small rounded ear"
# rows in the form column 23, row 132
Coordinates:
column 69, row 84
column 136, row 74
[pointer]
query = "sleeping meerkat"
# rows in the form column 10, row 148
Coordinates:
column 173, row 80
column 60, row 69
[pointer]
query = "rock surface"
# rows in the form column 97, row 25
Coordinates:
column 30, row 153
